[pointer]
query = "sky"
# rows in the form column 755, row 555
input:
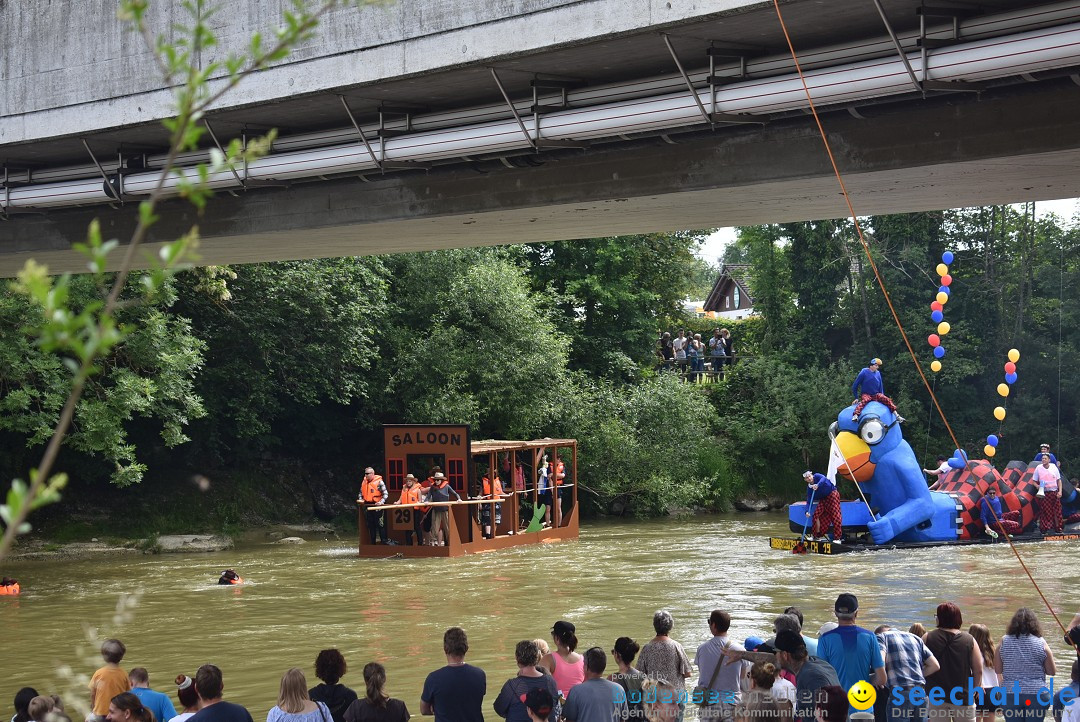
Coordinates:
column 713, row 247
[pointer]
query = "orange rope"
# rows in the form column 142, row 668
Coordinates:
column 881, row 282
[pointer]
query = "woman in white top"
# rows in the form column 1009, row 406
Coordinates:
column 189, row 698
column 984, row 708
column 1048, row 477
column 293, row 704
column 1023, row 657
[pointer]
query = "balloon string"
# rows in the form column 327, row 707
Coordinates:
column 881, row 282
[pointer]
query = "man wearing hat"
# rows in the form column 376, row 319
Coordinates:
column 811, row 673
column 823, row 503
column 411, row 493
column 440, row 515
column 850, row 649
column 373, row 494
column 868, row 387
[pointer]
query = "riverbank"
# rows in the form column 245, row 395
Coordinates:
column 38, row 548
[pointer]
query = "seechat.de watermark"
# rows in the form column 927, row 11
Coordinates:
column 1000, row 696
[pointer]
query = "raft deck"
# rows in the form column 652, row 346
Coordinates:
column 861, row 544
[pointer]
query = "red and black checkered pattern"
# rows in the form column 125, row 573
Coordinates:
column 827, row 516
column 969, row 485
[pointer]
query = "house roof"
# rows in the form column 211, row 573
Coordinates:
column 730, row 273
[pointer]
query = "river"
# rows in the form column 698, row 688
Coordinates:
column 303, row 598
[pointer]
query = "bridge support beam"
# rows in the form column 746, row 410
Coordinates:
column 1009, row 145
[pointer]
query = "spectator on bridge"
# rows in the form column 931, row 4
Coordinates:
column 717, row 350
column 679, row 346
column 729, row 349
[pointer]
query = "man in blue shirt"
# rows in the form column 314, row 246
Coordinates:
column 868, row 387
column 823, row 504
column 455, row 693
column 156, row 702
column 851, row 650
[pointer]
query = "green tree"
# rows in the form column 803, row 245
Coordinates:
column 289, row 351
column 466, row 342
column 149, row 377
column 612, row 295
column 771, row 280
column 818, row 268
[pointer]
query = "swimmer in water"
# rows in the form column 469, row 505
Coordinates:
column 230, row 577
column 9, row 586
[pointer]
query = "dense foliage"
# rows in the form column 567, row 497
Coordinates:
column 300, row 362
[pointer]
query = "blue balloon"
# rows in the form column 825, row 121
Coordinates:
column 947, row 257
column 939, row 352
column 944, row 289
column 937, row 316
column 1010, row 379
column 992, row 440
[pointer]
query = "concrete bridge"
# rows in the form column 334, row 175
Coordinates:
column 605, row 117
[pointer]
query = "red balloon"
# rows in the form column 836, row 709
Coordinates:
column 936, row 306
column 934, row 340
column 1010, row 367
column 946, row 280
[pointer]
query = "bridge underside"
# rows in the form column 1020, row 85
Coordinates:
column 945, row 152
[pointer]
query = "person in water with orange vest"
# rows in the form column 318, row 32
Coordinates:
column 9, row 586
column 413, row 493
column 485, row 509
column 230, row 577
column 373, row 493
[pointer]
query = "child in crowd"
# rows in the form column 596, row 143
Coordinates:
column 108, row 681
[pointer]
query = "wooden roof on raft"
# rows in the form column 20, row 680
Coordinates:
column 490, row 445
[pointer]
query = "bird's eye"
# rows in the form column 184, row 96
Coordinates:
column 872, row 431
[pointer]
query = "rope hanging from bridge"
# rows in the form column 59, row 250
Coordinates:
column 881, row 283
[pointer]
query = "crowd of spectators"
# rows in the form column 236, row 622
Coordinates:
column 790, row 677
column 692, row 357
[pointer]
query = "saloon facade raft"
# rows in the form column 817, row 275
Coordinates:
column 417, row 448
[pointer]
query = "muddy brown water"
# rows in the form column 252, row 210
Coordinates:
column 303, row 598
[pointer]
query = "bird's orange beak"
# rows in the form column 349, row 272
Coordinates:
column 855, row 451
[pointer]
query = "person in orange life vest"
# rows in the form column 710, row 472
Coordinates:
column 440, row 515
column 9, row 586
column 560, row 476
column 485, row 509
column 413, row 493
column 230, row 577
column 373, row 493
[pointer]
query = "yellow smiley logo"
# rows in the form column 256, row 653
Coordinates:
column 862, row 695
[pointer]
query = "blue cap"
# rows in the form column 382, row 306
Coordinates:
column 753, row 643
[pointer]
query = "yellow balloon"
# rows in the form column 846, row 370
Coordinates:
column 989, row 451
column 1003, row 389
column 942, row 269
column 943, row 298
column 1014, row 355
column 935, row 365
column 999, row 413
column 943, row 327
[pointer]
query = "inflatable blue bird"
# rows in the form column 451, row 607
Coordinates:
column 881, row 462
